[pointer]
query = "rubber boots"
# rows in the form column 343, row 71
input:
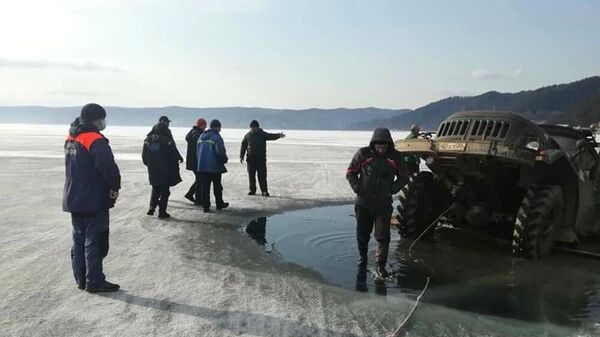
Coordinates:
column 381, row 255
column 363, row 249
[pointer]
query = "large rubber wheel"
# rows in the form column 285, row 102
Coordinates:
column 540, row 214
column 422, row 200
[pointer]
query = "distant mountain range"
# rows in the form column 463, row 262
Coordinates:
column 576, row 103
column 232, row 117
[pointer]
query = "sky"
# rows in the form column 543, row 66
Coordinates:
column 289, row 54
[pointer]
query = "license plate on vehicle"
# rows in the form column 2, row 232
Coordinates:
column 457, row 147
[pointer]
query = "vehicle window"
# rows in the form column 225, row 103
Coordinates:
column 566, row 143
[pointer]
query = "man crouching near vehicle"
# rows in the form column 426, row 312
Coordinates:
column 92, row 184
column 375, row 174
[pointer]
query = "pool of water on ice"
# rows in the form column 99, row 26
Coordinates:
column 468, row 272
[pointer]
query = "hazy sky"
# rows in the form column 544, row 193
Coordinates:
column 288, row 54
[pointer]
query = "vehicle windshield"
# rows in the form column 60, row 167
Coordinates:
column 566, row 143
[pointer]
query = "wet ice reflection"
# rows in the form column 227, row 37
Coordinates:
column 470, row 273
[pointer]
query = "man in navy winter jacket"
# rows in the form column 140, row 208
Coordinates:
column 92, row 183
column 212, row 158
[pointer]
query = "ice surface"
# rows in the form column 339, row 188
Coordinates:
column 196, row 274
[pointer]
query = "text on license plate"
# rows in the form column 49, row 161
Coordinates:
column 451, row 146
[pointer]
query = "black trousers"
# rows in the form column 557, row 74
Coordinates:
column 259, row 167
column 368, row 218
column 206, row 179
column 90, row 246
column 196, row 189
column 159, row 197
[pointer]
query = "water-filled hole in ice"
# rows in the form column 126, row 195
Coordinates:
column 471, row 273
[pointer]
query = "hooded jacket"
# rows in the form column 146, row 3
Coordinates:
column 254, row 145
column 191, row 160
column 212, row 155
column 161, row 157
column 90, row 170
column 374, row 177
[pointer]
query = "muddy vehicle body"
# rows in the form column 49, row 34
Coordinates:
column 500, row 173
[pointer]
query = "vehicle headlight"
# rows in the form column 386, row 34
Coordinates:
column 533, row 146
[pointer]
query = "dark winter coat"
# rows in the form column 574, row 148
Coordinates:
column 192, row 143
column 375, row 178
column 254, row 145
column 212, row 155
column 179, row 157
column 90, row 170
column 161, row 157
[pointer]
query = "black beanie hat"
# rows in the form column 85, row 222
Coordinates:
column 215, row 124
column 254, row 124
column 92, row 112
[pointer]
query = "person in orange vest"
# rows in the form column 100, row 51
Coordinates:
column 92, row 184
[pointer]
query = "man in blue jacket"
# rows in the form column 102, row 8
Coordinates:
column 212, row 158
column 92, row 183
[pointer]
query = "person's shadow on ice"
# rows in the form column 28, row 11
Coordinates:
column 237, row 321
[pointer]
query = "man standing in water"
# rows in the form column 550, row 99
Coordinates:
column 375, row 174
column 92, row 186
column 254, row 147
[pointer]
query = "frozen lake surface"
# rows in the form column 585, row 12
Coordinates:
column 200, row 275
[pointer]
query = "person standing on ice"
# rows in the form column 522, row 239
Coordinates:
column 412, row 161
column 165, row 120
column 194, row 194
column 212, row 158
column 92, row 184
column 161, row 157
column 376, row 172
column 254, row 147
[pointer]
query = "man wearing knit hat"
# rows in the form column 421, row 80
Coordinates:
column 195, row 192
column 254, row 147
column 91, row 188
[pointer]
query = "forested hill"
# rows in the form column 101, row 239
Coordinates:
column 576, row 103
column 584, row 113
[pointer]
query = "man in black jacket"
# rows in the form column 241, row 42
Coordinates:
column 375, row 174
column 166, row 121
column 254, row 147
column 195, row 192
column 92, row 183
column 161, row 157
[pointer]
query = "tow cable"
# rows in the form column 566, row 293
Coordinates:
column 402, row 328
